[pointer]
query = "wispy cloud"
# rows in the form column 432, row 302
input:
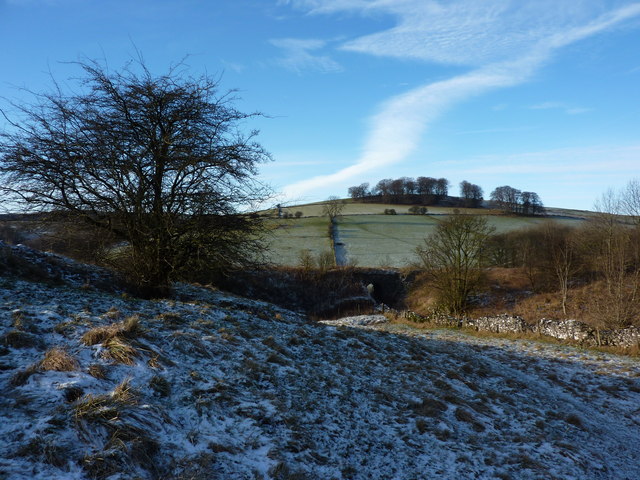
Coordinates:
column 622, row 159
column 496, row 130
column 298, row 55
column 236, row 67
column 546, row 106
column 569, row 110
column 498, row 38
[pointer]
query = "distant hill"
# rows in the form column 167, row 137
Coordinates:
column 371, row 238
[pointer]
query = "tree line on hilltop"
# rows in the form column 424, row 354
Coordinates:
column 435, row 191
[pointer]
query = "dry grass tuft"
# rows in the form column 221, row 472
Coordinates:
column 129, row 327
column 127, row 444
column 160, row 386
column 118, row 350
column 429, row 407
column 73, row 393
column 573, row 419
column 97, row 371
column 171, row 319
column 21, row 377
column 106, row 407
column 45, row 450
column 464, row 415
column 58, row 360
column 100, row 334
column 19, row 339
column 113, row 313
column 55, row 359
column 113, row 340
column 124, row 393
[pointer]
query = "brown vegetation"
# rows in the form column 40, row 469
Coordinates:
column 59, row 360
column 589, row 273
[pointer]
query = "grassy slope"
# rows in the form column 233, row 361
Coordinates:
column 224, row 387
column 373, row 239
column 288, row 238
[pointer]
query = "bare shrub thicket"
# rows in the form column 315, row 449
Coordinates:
column 599, row 260
column 80, row 241
column 613, row 253
column 548, row 253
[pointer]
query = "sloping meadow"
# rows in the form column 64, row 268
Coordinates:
column 372, row 239
column 212, row 386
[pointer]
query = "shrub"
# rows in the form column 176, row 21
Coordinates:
column 417, row 210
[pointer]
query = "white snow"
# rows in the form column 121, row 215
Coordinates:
column 232, row 388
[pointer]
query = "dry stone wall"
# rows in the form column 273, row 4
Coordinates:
column 568, row 330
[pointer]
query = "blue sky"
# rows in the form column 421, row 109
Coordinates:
column 542, row 95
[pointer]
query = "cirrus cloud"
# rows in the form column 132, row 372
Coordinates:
column 505, row 42
column 298, row 57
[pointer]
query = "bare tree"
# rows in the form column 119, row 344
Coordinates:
column 158, row 161
column 359, row 191
column 512, row 200
column 561, row 245
column 614, row 250
column 454, row 256
column 506, row 198
column 333, row 207
column 441, row 188
column 383, row 189
column 630, row 200
column 470, row 194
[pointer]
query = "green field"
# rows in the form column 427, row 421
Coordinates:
column 372, row 239
column 288, row 238
column 352, row 208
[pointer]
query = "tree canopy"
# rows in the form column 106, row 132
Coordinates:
column 159, row 161
column 512, row 200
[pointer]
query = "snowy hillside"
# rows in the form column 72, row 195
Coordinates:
column 96, row 385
